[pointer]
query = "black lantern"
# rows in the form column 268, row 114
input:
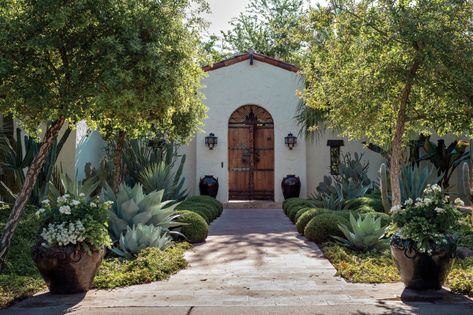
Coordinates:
column 290, row 141
column 211, row 141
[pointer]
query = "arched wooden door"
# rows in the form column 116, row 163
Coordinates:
column 251, row 154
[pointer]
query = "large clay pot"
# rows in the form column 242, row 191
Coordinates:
column 422, row 271
column 67, row 269
column 208, row 186
column 291, row 186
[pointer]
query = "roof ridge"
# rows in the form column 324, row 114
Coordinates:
column 256, row 56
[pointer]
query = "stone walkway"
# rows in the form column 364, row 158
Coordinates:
column 254, row 262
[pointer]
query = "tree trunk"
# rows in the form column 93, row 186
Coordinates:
column 28, row 185
column 396, row 150
column 117, row 161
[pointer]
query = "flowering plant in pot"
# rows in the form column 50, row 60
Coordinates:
column 73, row 237
column 423, row 247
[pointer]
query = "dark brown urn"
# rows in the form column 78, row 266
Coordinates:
column 208, row 186
column 67, row 269
column 421, row 271
column 291, row 186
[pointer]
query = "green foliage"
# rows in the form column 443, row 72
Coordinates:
column 352, row 182
column 300, row 213
column 414, row 179
column 207, row 211
column 150, row 265
column 87, row 188
column 460, row 279
column 445, row 159
column 289, row 203
column 268, row 27
column 153, row 79
column 132, row 206
column 363, row 233
column 295, row 208
column 366, row 267
column 14, row 159
column 207, row 199
column 363, row 55
column 357, row 203
column 160, row 176
column 140, row 237
column 322, row 227
column 426, row 221
column 71, row 221
column 194, row 228
column 14, row 287
column 307, row 216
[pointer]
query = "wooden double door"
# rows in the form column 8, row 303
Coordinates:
column 251, row 154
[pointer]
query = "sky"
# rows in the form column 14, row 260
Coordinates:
column 224, row 10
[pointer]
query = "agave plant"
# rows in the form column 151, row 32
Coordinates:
column 87, row 188
column 160, row 176
column 140, row 237
column 132, row 206
column 363, row 233
column 414, row 179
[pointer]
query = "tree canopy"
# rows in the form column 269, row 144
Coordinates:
column 386, row 70
column 268, row 27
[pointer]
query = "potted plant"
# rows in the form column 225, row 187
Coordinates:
column 423, row 247
column 74, row 234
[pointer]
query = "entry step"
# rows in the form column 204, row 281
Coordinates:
column 252, row 204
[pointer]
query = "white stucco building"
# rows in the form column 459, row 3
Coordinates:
column 252, row 101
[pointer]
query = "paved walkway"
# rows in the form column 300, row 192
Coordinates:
column 254, row 262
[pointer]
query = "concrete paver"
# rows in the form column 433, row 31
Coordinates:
column 253, row 262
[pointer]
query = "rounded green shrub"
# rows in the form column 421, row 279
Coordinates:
column 365, row 209
column 212, row 210
column 296, row 206
column 385, row 218
column 195, row 229
column 307, row 216
column 288, row 202
column 346, row 213
column 301, row 212
column 372, row 202
column 204, row 212
column 322, row 227
column 207, row 199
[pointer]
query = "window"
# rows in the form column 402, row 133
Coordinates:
column 335, row 155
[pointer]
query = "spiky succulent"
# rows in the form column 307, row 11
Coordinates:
column 140, row 237
column 132, row 207
column 363, row 233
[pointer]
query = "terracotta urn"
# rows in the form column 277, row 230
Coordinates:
column 67, row 269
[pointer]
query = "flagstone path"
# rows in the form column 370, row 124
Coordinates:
column 254, row 262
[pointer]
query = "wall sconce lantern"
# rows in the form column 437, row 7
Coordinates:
column 211, row 141
column 335, row 155
column 290, row 141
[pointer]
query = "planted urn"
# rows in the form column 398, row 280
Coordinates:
column 423, row 248
column 72, row 242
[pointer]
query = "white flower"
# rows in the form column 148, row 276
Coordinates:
column 427, row 201
column 65, row 209
column 459, row 203
column 436, row 188
column 40, row 211
column 409, row 202
column 75, row 202
column 93, row 205
column 396, row 208
column 439, row 210
column 81, row 195
column 419, row 204
column 45, row 202
column 108, row 203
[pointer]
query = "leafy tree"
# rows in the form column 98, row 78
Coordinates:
column 63, row 61
column 154, row 77
column 387, row 70
column 268, row 27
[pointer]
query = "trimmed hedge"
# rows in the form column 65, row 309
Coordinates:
column 307, row 216
column 360, row 203
column 322, row 227
column 207, row 211
column 196, row 229
column 293, row 202
column 289, row 201
column 207, row 199
column 301, row 212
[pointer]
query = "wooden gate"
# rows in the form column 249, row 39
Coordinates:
column 251, row 154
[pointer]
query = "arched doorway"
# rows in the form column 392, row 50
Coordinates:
column 251, row 154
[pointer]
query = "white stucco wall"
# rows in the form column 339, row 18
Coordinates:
column 274, row 89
